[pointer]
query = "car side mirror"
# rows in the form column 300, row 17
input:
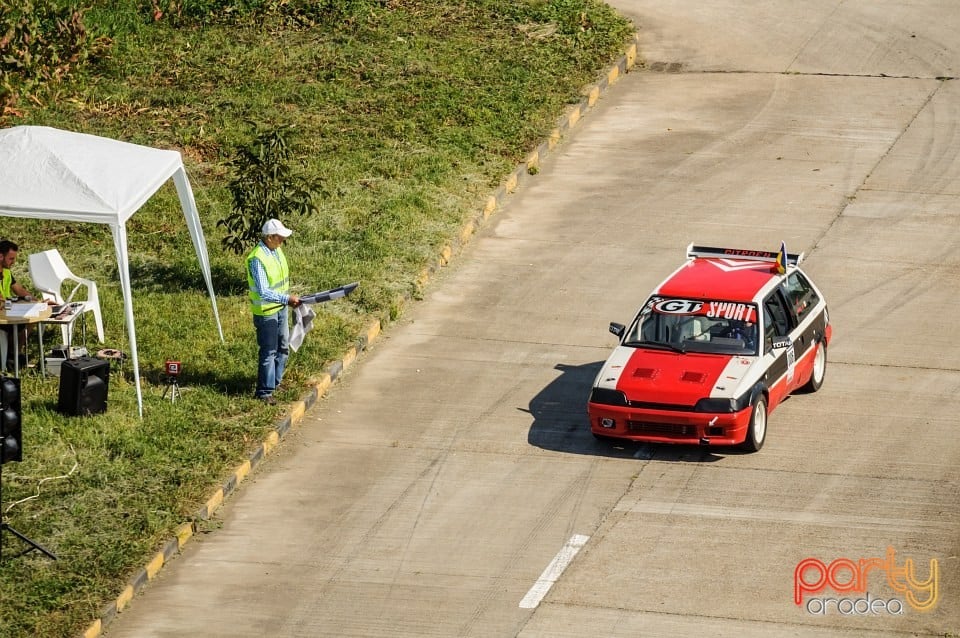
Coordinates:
column 617, row 329
column 781, row 342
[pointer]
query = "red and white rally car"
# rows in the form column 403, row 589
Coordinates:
column 713, row 351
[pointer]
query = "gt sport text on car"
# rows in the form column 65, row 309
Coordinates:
column 713, row 351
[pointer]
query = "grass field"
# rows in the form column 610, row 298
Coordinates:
column 410, row 113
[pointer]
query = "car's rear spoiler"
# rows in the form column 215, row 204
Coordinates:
column 708, row 252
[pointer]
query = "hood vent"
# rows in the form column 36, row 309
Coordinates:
column 644, row 373
column 693, row 377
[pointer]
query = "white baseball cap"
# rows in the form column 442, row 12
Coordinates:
column 275, row 227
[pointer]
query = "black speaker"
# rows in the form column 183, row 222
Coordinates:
column 83, row 386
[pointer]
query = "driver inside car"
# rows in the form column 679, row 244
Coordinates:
column 742, row 330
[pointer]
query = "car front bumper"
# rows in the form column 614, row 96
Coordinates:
column 669, row 426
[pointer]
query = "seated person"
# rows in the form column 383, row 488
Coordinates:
column 742, row 330
column 10, row 289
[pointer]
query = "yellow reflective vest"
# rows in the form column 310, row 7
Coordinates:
column 278, row 278
column 6, row 284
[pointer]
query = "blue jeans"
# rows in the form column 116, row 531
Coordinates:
column 273, row 339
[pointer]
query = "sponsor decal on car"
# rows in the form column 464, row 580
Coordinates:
column 712, row 309
column 730, row 310
column 678, row 307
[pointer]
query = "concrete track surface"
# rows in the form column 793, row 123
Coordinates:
column 452, row 468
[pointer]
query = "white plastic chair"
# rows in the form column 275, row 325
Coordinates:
column 48, row 272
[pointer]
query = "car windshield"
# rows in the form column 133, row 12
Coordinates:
column 695, row 325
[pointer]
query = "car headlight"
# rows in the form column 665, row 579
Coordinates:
column 606, row 396
column 714, row 405
column 722, row 405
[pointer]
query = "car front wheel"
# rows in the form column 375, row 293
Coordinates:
column 819, row 369
column 757, row 432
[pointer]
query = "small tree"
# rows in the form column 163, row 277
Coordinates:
column 264, row 186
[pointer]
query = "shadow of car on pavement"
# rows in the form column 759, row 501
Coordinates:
column 560, row 424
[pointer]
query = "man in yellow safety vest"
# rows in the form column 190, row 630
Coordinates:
column 11, row 289
column 268, row 280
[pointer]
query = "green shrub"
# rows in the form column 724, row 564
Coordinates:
column 306, row 12
column 264, row 186
column 42, row 43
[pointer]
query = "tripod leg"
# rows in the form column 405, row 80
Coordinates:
column 5, row 527
column 33, row 545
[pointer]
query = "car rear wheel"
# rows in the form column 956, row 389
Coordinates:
column 819, row 369
column 757, row 432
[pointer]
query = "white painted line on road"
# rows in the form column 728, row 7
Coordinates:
column 553, row 571
column 702, row 510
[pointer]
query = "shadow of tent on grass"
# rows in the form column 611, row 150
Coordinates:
column 184, row 275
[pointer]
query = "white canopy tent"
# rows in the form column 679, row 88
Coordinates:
column 46, row 173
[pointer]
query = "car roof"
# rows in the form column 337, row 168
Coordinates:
column 726, row 279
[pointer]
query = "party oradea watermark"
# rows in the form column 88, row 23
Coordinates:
column 866, row 586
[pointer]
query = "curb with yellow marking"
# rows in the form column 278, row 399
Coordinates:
column 319, row 385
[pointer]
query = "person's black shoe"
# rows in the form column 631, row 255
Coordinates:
column 269, row 400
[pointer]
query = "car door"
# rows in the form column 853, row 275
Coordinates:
column 802, row 300
column 779, row 356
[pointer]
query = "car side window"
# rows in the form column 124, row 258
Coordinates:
column 775, row 320
column 800, row 295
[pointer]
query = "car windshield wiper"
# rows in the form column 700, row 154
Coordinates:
column 656, row 344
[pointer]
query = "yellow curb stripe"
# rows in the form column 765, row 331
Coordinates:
column 373, row 331
column 614, row 75
column 466, row 232
column 574, row 117
column 511, row 184
column 423, row 278
column 631, row 56
column 241, row 472
column 533, row 159
column 125, row 597
column 270, row 442
column 297, row 411
column 185, row 531
column 323, row 383
column 349, row 357
column 594, row 95
column 490, row 206
column 93, row 631
column 445, row 254
column 154, row 566
column 214, row 502
column 554, row 139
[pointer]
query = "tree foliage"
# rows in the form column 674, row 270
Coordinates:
column 264, row 185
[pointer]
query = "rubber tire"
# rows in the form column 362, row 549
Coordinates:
column 817, row 380
column 757, row 432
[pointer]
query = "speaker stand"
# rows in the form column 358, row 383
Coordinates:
column 33, row 545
